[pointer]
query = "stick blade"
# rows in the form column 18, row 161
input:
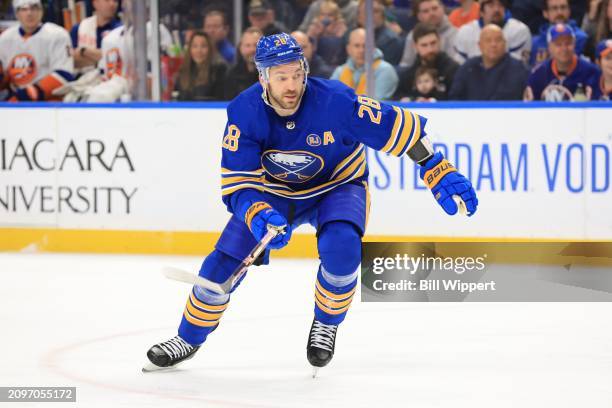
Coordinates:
column 188, row 277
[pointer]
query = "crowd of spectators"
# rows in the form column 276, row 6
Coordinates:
column 425, row 50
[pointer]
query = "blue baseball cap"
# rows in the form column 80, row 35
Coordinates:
column 558, row 30
column 603, row 48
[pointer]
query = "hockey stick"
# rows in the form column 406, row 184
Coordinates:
column 223, row 288
column 461, row 208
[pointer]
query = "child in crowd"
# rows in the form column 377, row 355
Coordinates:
column 426, row 86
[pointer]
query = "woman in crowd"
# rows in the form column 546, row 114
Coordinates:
column 201, row 74
column 597, row 24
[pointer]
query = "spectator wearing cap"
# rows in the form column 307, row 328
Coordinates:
column 516, row 34
column 468, row 11
column 564, row 76
column 243, row 73
column 603, row 55
column 262, row 17
column 430, row 12
column 217, row 28
column 492, row 76
column 429, row 54
column 391, row 45
column 318, row 67
column 87, row 35
column 554, row 11
column 348, row 9
column 353, row 74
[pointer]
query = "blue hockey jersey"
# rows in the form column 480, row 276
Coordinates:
column 319, row 147
column 548, row 84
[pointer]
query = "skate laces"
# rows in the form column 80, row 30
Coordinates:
column 322, row 335
column 176, row 347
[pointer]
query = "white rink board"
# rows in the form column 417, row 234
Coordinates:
column 540, row 173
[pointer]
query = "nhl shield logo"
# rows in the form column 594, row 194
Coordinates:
column 292, row 166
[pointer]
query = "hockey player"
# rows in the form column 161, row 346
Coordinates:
column 564, row 76
column 294, row 153
column 36, row 56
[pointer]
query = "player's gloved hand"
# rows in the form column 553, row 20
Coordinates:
column 259, row 216
column 445, row 181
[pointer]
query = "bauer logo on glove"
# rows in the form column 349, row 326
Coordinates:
column 450, row 188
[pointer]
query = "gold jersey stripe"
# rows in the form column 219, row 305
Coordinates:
column 203, row 315
column 331, row 311
column 198, row 322
column 406, row 132
column 396, row 127
column 333, row 296
column 332, row 303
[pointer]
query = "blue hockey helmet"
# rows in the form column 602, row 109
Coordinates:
column 278, row 49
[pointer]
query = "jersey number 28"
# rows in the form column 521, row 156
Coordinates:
column 230, row 140
column 371, row 107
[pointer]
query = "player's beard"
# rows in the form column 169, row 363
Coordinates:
column 288, row 105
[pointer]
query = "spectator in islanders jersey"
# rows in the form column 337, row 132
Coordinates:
column 517, row 35
column 468, row 11
column 603, row 55
column 36, row 56
column 88, row 34
column 564, row 76
column 555, row 11
column 353, row 74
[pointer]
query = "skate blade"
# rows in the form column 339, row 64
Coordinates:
column 315, row 370
column 151, row 368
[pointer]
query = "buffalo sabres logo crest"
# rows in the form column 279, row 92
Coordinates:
column 293, row 166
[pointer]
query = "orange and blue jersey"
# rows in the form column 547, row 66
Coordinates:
column 548, row 84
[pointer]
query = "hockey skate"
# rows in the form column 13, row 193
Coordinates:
column 169, row 354
column 321, row 343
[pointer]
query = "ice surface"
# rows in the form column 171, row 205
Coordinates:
column 88, row 320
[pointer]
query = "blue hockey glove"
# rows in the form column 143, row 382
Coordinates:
column 445, row 181
column 259, row 216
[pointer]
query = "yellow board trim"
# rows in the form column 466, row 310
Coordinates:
column 191, row 243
